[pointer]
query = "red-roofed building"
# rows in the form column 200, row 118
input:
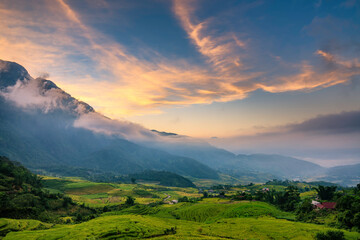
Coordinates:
column 326, row 205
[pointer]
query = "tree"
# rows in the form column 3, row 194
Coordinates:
column 205, row 194
column 133, row 180
column 183, row 199
column 289, row 199
column 330, row 235
column 305, row 211
column 325, row 193
column 357, row 188
column 130, row 200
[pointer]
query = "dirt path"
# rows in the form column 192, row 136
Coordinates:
column 167, row 197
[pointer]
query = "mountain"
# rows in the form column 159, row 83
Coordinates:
column 193, row 148
column 277, row 165
column 259, row 167
column 37, row 128
column 345, row 175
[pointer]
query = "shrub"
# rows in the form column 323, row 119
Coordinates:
column 330, row 235
column 130, row 201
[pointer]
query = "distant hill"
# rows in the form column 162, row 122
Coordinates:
column 344, row 175
column 192, row 148
column 259, row 167
column 164, row 178
column 348, row 170
column 45, row 137
column 278, row 165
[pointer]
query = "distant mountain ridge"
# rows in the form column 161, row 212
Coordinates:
column 40, row 138
column 241, row 165
column 344, row 175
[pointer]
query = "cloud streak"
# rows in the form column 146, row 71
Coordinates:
column 223, row 52
column 120, row 128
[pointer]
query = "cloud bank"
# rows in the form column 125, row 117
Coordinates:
column 120, row 128
column 31, row 93
column 329, row 140
column 342, row 123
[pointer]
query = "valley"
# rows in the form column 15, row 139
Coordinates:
column 104, row 210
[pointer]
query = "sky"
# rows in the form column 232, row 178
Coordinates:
column 248, row 76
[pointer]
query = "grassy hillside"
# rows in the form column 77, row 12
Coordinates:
column 105, row 194
column 14, row 225
column 209, row 210
column 211, row 218
column 135, row 227
column 149, row 217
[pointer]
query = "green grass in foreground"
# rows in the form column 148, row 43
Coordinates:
column 135, row 226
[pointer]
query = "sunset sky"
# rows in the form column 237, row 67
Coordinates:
column 240, row 73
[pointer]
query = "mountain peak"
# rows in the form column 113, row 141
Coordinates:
column 19, row 87
column 11, row 72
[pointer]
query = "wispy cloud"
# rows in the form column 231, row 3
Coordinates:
column 334, row 71
column 119, row 128
column 222, row 51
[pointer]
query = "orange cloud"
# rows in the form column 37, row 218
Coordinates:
column 310, row 78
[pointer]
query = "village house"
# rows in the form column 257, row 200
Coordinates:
column 325, row 205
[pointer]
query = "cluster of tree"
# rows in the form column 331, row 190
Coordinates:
column 330, row 235
column 305, row 210
column 346, row 212
column 93, row 175
column 348, row 207
column 22, row 196
column 325, row 192
column 242, row 196
column 281, row 182
column 187, row 199
column 286, row 200
column 223, row 187
column 164, row 178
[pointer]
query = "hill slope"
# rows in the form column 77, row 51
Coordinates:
column 22, row 196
